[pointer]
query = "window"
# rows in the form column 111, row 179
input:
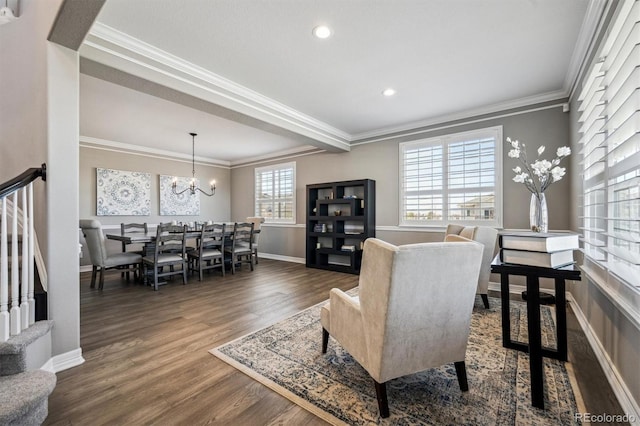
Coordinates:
column 610, row 147
column 452, row 178
column 275, row 193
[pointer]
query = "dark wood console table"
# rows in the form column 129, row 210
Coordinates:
column 534, row 347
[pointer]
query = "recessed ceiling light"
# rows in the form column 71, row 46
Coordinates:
column 322, row 31
column 389, row 92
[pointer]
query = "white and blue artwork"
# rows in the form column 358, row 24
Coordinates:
column 185, row 204
column 122, row 193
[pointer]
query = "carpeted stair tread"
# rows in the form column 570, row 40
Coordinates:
column 13, row 355
column 24, row 397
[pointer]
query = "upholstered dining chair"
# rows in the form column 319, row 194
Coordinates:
column 413, row 311
column 240, row 249
column 487, row 237
column 169, row 252
column 100, row 257
column 257, row 230
column 210, row 251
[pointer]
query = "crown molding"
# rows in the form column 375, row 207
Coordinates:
column 131, row 149
column 118, row 50
column 107, row 145
column 418, row 126
column 584, row 43
column 276, row 156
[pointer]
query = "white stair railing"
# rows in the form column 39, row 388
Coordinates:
column 17, row 264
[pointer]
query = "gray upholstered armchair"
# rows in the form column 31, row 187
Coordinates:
column 413, row 312
column 487, row 237
column 100, row 258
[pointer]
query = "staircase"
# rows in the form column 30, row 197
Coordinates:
column 25, row 344
column 24, row 389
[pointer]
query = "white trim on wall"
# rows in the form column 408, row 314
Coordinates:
column 623, row 394
column 64, row 361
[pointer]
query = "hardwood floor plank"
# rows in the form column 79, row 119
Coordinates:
column 147, row 359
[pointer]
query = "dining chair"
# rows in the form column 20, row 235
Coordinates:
column 240, row 249
column 169, row 252
column 210, row 251
column 100, row 257
column 129, row 228
column 257, row 225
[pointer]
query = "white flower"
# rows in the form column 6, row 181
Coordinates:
column 520, row 178
column 541, row 167
column 537, row 176
column 557, row 173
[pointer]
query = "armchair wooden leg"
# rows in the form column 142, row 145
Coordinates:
column 101, row 285
column 381, row 395
column 485, row 300
column 325, row 340
column 93, row 276
column 461, row 371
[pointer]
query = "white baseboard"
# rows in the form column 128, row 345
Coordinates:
column 281, row 257
column 620, row 389
column 86, row 268
column 64, row 361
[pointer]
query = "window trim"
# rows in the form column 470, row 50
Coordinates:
column 494, row 131
column 280, row 166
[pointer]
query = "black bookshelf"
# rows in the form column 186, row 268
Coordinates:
column 340, row 216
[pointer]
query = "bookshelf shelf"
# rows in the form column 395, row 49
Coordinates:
column 346, row 212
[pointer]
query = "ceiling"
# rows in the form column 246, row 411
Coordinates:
column 252, row 80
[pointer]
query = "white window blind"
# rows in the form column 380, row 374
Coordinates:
column 610, row 148
column 275, row 193
column 452, row 178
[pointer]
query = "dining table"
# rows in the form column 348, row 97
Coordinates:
column 148, row 238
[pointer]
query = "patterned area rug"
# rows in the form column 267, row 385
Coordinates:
column 287, row 358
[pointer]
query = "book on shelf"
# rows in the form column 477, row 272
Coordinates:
column 320, row 227
column 555, row 259
column 538, row 241
column 348, row 248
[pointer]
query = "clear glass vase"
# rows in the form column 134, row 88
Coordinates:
column 538, row 215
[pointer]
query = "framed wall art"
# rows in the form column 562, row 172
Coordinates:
column 122, row 193
column 185, row 204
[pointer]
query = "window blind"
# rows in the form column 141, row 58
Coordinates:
column 609, row 107
column 451, row 178
column 275, row 193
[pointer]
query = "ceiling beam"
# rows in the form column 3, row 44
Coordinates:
column 163, row 71
column 73, row 22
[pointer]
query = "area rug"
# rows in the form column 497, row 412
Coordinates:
column 287, row 358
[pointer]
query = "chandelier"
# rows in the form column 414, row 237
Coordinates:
column 192, row 188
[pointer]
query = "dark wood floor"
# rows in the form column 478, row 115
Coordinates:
column 147, row 360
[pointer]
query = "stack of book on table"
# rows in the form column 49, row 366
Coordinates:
column 546, row 250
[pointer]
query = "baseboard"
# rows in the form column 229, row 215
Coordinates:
column 281, row 257
column 620, row 389
column 86, row 268
column 64, row 361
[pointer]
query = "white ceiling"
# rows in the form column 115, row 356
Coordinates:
column 445, row 58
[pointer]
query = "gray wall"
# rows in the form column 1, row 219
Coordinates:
column 379, row 161
column 215, row 208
